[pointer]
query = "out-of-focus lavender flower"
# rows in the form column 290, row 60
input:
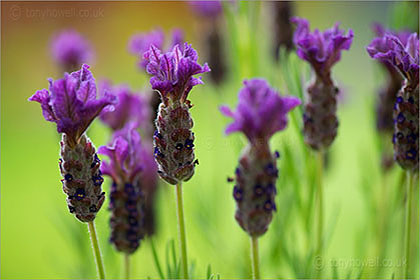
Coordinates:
column 72, row 105
column 405, row 58
column 322, row 50
column 70, row 49
column 127, row 202
column 173, row 77
column 130, row 107
column 260, row 113
column 141, row 42
column 207, row 8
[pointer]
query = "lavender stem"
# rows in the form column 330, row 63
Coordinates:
column 127, row 266
column 96, row 250
column 318, row 252
column 408, row 211
column 255, row 258
column 181, row 230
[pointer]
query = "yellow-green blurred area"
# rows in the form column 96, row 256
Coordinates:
column 40, row 239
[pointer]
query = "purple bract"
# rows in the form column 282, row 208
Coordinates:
column 261, row 110
column 71, row 102
column 172, row 72
column 321, row 49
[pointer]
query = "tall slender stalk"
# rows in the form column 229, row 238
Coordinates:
column 96, row 250
column 408, row 206
column 320, row 207
column 126, row 266
column 255, row 258
column 181, row 231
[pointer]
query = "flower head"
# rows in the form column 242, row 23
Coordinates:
column 130, row 107
column 402, row 55
column 141, row 42
column 261, row 110
column 207, row 8
column 321, row 49
column 172, row 72
column 71, row 102
column 71, row 49
column 125, row 156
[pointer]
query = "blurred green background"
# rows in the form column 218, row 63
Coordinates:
column 40, row 239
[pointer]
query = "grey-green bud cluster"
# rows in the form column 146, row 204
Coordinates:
column 174, row 143
column 82, row 180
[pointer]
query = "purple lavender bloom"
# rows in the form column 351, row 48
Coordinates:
column 405, row 58
column 172, row 72
column 130, row 107
column 71, row 103
column 321, row 49
column 261, row 111
column 125, row 167
column 207, row 8
column 172, row 76
column 70, row 49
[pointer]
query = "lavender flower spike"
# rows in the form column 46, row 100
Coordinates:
column 322, row 50
column 127, row 200
column 260, row 113
column 70, row 49
column 71, row 103
column 172, row 76
column 405, row 58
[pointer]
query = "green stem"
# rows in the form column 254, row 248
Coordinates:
column 254, row 258
column 155, row 257
column 318, row 252
column 96, row 250
column 127, row 266
column 409, row 199
column 181, row 230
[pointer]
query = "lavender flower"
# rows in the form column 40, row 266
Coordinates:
column 126, row 198
column 71, row 103
column 70, row 49
column 260, row 113
column 172, row 76
column 134, row 109
column 283, row 29
column 322, row 50
column 405, row 58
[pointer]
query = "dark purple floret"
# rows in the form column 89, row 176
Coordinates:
column 71, row 103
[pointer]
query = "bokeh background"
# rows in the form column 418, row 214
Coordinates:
column 40, row 239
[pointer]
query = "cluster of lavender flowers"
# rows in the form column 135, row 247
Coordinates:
column 261, row 112
column 402, row 53
column 172, row 77
column 72, row 104
column 322, row 50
